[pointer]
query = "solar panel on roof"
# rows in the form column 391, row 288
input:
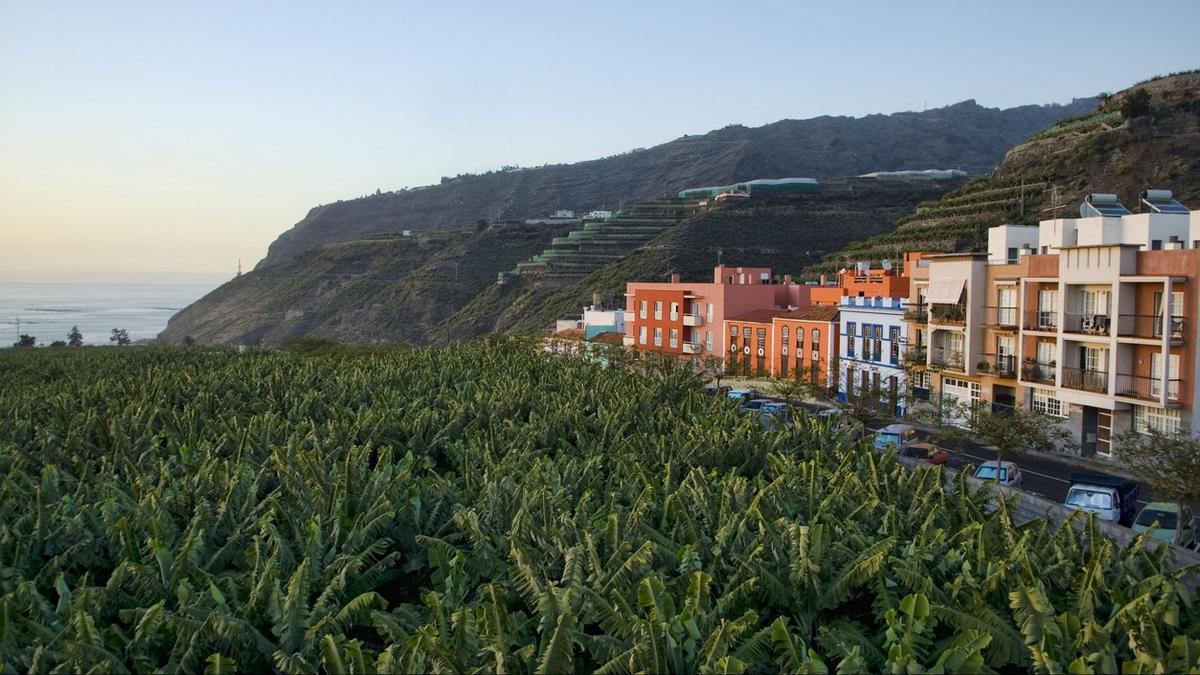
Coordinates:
column 1168, row 206
column 1088, row 209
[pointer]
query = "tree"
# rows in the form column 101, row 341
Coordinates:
column 1168, row 462
column 120, row 336
column 793, row 389
column 1019, row 429
column 1136, row 104
column 713, row 367
column 75, row 338
column 25, row 341
column 58, row 343
column 944, row 416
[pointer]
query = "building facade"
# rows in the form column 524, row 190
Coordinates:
column 1084, row 319
column 687, row 318
column 872, row 340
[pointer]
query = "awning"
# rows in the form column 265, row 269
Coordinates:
column 945, row 292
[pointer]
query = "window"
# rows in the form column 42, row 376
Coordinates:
column 1156, row 244
column 1047, row 316
column 708, row 341
column 642, row 310
column 733, row 332
column 1156, row 376
column 1146, row 419
column 1176, row 314
column 709, row 315
column 878, row 352
column 894, row 339
column 657, row 337
column 850, row 339
column 746, row 331
column 799, row 338
column 674, row 311
column 784, row 334
column 1006, row 314
column 1012, row 254
column 849, row 381
column 642, row 335
column 658, row 309
column 816, row 339
column 1094, row 359
column 762, row 338
column 674, row 338
column 1043, row 401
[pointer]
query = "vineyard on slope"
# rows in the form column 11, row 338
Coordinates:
column 490, row 508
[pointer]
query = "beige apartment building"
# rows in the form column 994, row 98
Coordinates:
column 1086, row 320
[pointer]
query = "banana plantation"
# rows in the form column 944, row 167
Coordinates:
column 489, row 508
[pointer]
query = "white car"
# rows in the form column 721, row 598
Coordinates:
column 1007, row 474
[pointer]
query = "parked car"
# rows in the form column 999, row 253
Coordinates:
column 754, row 405
column 717, row 391
column 742, row 394
column 1166, row 515
column 926, row 452
column 1111, row 498
column 774, row 414
column 899, row 436
column 1007, row 474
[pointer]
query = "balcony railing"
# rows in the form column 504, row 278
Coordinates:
column 1038, row 319
column 1148, row 326
column 1042, row 373
column 1000, row 316
column 918, row 313
column 916, row 354
column 947, row 358
column 1088, row 324
column 1003, row 365
column 693, row 320
column 1085, row 380
column 949, row 313
column 1146, row 388
column 691, row 348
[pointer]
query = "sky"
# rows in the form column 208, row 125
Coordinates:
column 171, row 138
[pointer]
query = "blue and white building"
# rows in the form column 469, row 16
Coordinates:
column 871, row 341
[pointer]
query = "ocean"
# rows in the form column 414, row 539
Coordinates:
column 48, row 310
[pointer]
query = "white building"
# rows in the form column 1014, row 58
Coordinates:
column 872, row 337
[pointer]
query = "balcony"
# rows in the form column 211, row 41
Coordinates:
column 1001, row 365
column 918, row 313
column 1005, row 317
column 1088, row 324
column 1146, row 388
column 1043, row 320
column 916, row 355
column 693, row 320
column 1041, row 373
column 1150, row 326
column 1095, row 381
column 627, row 340
column 947, row 358
column 949, row 314
column 691, row 348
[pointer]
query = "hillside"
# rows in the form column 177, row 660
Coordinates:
column 439, row 285
column 1048, row 175
column 784, row 232
column 964, row 136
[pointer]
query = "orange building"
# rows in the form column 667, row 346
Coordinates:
column 864, row 282
column 780, row 343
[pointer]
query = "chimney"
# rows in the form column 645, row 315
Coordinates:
column 674, row 278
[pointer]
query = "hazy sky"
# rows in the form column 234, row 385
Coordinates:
column 171, row 136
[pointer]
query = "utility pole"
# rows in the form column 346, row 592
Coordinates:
column 239, row 267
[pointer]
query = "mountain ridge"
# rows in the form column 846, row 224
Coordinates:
column 962, row 135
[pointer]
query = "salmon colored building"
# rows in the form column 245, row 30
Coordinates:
column 784, row 343
column 687, row 317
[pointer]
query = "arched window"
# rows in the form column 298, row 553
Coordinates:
column 816, row 338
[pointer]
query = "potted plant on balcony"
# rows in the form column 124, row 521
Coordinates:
column 983, row 366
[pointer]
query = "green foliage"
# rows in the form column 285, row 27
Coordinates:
column 491, row 508
column 1136, row 104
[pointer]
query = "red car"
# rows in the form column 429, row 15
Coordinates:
column 926, row 452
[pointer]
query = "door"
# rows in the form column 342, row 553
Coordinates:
column 1008, row 306
column 1091, row 427
column 1104, row 432
column 1047, row 317
column 1006, row 349
column 1157, row 377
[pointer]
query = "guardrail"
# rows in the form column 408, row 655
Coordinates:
column 1150, row 326
column 1085, row 380
column 1146, row 388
